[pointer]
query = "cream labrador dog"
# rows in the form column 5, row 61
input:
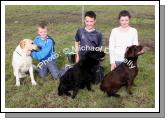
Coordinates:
column 22, row 61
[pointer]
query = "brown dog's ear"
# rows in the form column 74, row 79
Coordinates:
column 130, row 52
column 22, row 44
column 127, row 49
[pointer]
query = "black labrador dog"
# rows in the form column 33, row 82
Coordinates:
column 124, row 74
column 81, row 75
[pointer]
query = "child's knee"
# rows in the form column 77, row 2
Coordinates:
column 55, row 75
column 42, row 75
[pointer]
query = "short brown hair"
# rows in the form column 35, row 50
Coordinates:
column 124, row 13
column 42, row 24
column 90, row 14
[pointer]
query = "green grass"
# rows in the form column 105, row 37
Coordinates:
column 63, row 22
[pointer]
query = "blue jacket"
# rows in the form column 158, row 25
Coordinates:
column 46, row 48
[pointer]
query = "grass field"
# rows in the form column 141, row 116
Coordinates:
column 21, row 22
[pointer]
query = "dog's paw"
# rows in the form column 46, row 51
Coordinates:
column 17, row 84
column 113, row 94
column 34, row 83
column 68, row 94
column 130, row 92
column 60, row 94
column 117, row 95
column 72, row 97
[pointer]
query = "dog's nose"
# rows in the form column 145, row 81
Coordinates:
column 142, row 51
column 35, row 47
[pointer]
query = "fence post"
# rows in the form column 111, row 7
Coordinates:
column 82, row 15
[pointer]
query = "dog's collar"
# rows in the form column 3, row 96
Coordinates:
column 18, row 53
column 129, row 63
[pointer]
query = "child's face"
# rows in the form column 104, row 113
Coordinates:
column 89, row 22
column 124, row 21
column 43, row 32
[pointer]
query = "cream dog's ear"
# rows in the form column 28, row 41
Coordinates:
column 22, row 44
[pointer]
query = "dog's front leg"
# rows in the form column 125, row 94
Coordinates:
column 75, row 91
column 32, row 76
column 67, row 93
column 17, row 77
column 89, row 87
column 129, row 86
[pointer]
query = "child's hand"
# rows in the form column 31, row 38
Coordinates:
column 77, row 58
column 39, row 47
column 113, row 66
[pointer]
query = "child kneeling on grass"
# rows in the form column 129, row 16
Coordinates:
column 46, row 53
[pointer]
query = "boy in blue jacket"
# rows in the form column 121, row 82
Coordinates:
column 46, row 54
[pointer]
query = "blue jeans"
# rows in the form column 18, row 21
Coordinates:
column 118, row 63
column 52, row 68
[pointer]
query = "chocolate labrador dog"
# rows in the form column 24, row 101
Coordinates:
column 124, row 74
